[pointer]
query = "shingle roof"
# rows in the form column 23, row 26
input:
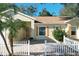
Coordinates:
column 52, row 20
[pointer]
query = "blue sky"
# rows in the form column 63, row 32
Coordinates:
column 52, row 8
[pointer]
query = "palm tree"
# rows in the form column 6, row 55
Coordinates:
column 2, row 27
column 14, row 26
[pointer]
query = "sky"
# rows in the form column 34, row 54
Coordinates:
column 53, row 8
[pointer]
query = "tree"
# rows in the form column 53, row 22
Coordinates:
column 44, row 12
column 13, row 26
column 71, row 9
column 2, row 27
column 5, row 6
column 10, row 24
column 58, row 34
column 30, row 10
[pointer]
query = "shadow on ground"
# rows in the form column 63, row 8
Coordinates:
column 41, row 41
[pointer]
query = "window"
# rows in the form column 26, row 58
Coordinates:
column 57, row 27
column 73, row 31
column 41, row 30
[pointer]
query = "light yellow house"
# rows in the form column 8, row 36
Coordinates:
column 72, row 27
column 42, row 27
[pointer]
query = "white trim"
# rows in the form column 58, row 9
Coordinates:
column 42, row 36
column 26, row 15
column 44, row 30
column 73, row 19
column 67, row 21
column 19, row 13
column 7, row 10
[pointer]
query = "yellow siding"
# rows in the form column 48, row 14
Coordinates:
column 68, row 29
column 51, row 29
column 21, row 34
column 47, row 31
column 36, row 30
column 77, row 35
column 26, row 19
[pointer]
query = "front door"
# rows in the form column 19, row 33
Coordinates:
column 41, row 32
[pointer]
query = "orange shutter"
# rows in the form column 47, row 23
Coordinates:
column 36, row 30
column 47, row 30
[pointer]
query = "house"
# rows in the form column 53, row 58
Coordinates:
column 73, row 27
column 42, row 27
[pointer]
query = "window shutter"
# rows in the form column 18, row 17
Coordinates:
column 47, row 31
column 36, row 30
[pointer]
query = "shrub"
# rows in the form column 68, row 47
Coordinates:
column 58, row 34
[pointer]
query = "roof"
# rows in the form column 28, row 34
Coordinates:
column 31, row 17
column 45, row 19
column 74, row 20
column 19, row 13
column 7, row 10
column 52, row 20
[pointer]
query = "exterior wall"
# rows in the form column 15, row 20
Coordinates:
column 23, row 18
column 51, row 29
column 21, row 34
column 48, row 31
column 68, row 29
column 77, row 32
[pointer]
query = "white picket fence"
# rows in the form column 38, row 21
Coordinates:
column 19, row 48
column 71, row 41
column 24, row 48
column 54, row 49
column 3, row 51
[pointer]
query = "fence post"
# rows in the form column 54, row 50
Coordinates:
column 28, row 47
column 45, row 48
column 63, row 39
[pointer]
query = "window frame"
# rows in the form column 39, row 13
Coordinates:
column 73, row 30
column 43, row 33
column 57, row 27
